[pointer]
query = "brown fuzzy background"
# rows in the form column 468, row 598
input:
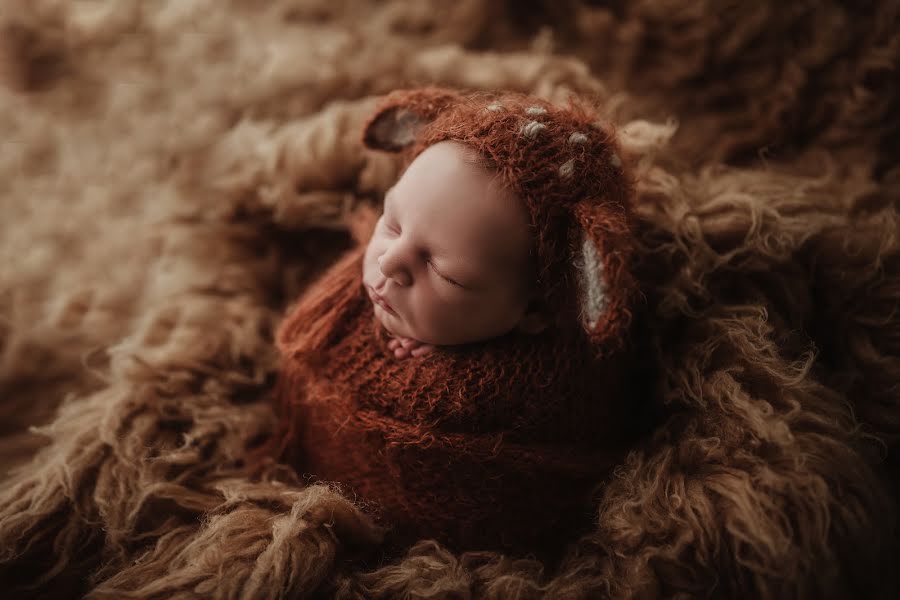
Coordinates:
column 174, row 173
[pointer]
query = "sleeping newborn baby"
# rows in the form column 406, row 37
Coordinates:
column 463, row 372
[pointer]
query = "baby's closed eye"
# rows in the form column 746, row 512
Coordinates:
column 444, row 277
column 391, row 226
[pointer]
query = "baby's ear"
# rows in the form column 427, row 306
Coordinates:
column 606, row 288
column 536, row 318
column 402, row 114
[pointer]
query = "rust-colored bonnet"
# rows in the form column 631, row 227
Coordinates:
column 567, row 168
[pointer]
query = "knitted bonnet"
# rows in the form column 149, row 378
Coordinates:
column 497, row 444
column 567, row 169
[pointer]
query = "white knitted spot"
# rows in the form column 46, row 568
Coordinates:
column 535, row 110
column 532, row 128
column 577, row 138
column 615, row 160
column 590, row 266
column 565, row 170
column 494, row 107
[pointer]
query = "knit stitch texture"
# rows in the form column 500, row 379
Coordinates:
column 492, row 445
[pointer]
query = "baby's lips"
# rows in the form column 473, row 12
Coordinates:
column 383, row 303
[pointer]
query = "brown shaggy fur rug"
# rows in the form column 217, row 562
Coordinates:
column 174, row 173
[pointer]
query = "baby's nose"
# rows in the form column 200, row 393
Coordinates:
column 392, row 268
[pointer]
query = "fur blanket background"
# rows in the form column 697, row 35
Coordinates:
column 173, row 174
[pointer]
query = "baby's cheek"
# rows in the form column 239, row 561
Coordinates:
column 439, row 319
column 497, row 314
column 368, row 258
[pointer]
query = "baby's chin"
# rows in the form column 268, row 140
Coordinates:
column 391, row 323
column 398, row 327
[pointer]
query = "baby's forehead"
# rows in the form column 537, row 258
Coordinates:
column 491, row 237
column 466, row 204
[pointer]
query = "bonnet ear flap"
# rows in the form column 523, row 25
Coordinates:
column 606, row 288
column 402, row 114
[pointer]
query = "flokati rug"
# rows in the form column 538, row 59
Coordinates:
column 174, row 174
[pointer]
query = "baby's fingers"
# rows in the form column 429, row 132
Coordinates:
column 393, row 344
column 423, row 349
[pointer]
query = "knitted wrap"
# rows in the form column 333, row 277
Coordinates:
column 496, row 444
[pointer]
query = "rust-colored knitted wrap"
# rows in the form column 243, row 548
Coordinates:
column 496, row 444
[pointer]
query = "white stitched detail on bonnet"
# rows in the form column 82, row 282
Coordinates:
column 532, row 128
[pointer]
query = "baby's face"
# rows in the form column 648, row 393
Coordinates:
column 449, row 257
